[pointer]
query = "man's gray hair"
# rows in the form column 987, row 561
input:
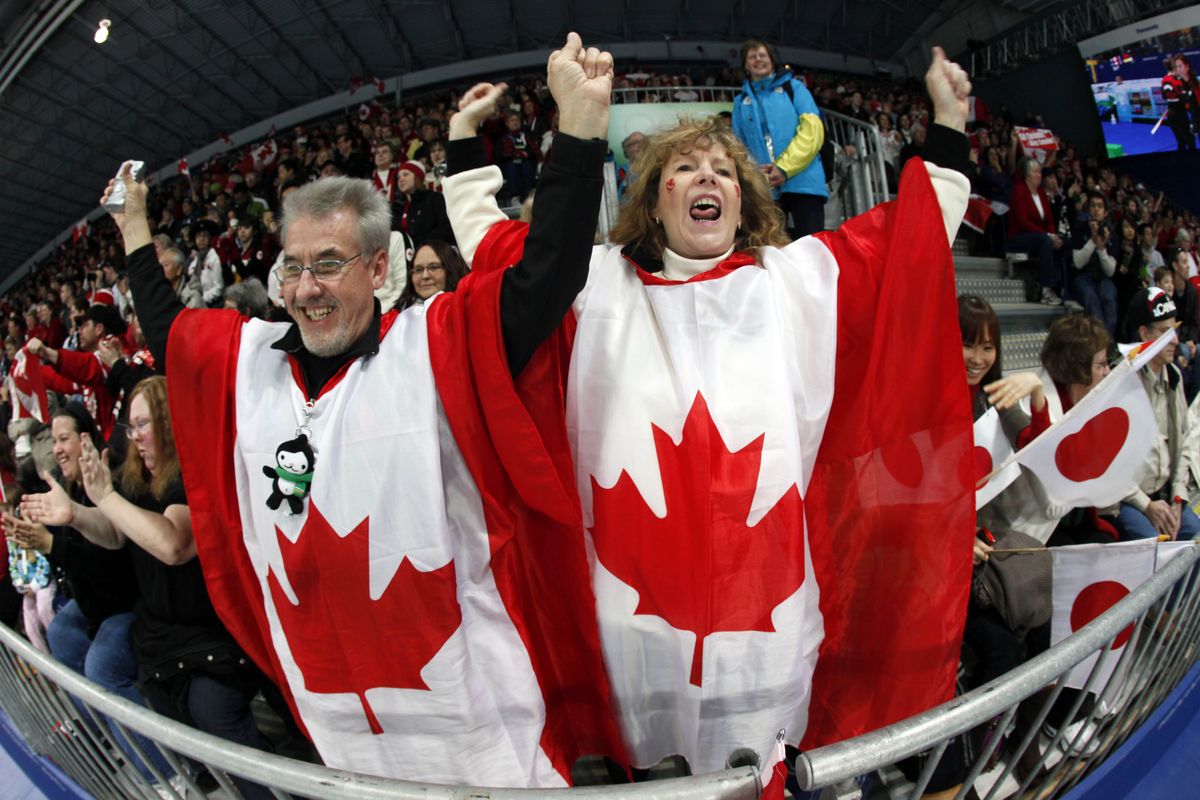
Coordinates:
column 323, row 197
column 175, row 255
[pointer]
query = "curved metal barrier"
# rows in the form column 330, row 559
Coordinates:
column 859, row 181
column 1165, row 614
column 60, row 715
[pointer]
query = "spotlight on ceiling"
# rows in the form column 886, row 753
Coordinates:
column 101, row 35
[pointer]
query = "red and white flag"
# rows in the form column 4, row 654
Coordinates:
column 1091, row 457
column 1088, row 580
column 977, row 110
column 182, row 168
column 79, row 230
column 380, row 85
column 748, row 501
column 992, row 461
column 1037, row 142
column 226, row 140
column 27, row 387
column 980, row 210
column 265, row 154
column 434, row 594
column 773, row 775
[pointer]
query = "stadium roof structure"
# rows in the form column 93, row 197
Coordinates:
column 172, row 77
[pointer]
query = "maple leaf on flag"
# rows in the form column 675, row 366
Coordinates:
column 702, row 568
column 182, row 167
column 341, row 639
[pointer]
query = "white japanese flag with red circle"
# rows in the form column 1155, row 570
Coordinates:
column 1091, row 456
column 1088, row 580
column 993, row 454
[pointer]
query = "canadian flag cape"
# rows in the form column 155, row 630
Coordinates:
column 774, row 461
column 427, row 614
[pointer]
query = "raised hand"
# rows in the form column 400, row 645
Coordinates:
column 135, row 230
column 474, row 107
column 1008, row 391
column 581, row 82
column 49, row 508
column 949, row 88
column 93, row 466
column 109, row 350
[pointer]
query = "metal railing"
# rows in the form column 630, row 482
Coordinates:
column 61, row 715
column 66, row 718
column 1165, row 613
column 675, row 94
column 860, row 177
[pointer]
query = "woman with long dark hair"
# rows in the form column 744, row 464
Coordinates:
column 437, row 267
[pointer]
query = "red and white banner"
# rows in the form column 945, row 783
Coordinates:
column 980, row 210
column 79, row 231
column 993, row 454
column 1091, row 456
column 774, row 771
column 1088, row 580
column 182, row 168
column 27, row 388
column 977, row 110
column 1037, row 142
column 265, row 154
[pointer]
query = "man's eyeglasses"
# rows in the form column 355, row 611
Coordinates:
column 326, row 269
column 430, row 268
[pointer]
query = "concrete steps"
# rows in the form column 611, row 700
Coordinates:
column 1023, row 325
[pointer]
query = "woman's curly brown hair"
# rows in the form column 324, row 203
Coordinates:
column 762, row 221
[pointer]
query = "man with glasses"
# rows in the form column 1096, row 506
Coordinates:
column 402, row 610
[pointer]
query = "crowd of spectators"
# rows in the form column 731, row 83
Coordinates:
column 1095, row 237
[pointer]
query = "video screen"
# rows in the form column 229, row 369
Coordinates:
column 1146, row 92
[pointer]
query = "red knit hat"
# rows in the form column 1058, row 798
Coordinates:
column 416, row 169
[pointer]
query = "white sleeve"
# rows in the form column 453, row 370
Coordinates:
column 953, row 190
column 1084, row 254
column 471, row 206
column 212, row 285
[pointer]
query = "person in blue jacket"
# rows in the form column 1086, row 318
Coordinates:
column 777, row 119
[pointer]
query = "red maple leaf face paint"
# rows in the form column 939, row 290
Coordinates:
column 670, row 184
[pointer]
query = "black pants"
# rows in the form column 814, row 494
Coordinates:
column 1178, row 120
column 807, row 213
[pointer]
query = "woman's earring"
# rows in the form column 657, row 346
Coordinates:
column 657, row 221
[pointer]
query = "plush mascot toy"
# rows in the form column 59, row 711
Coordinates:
column 292, row 474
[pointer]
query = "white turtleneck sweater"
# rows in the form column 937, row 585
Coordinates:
column 678, row 268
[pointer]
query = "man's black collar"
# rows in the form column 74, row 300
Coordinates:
column 317, row 370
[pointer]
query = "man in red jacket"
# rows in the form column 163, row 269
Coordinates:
column 83, row 366
column 1031, row 230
